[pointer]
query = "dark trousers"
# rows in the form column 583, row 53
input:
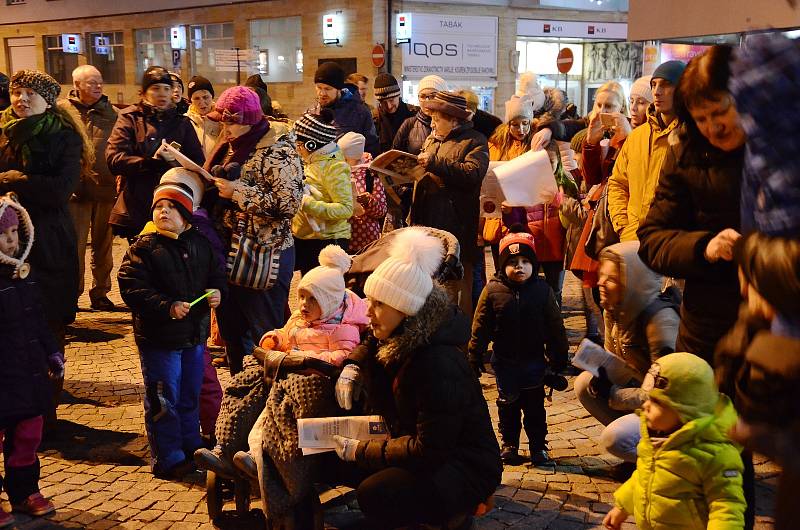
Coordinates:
column 308, row 251
column 527, row 409
column 172, row 380
column 19, row 440
column 247, row 314
column 554, row 276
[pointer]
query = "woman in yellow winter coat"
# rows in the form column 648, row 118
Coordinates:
column 328, row 200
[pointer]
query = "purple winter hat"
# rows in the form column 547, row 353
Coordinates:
column 8, row 219
column 237, row 104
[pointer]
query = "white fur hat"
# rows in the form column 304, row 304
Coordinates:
column 405, row 279
column 433, row 81
column 326, row 282
column 352, row 145
column 529, row 89
column 179, row 175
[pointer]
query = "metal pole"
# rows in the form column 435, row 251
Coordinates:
column 388, row 46
column 238, row 68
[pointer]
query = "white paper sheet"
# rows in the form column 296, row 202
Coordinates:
column 527, row 180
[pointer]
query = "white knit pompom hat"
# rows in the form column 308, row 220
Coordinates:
column 326, row 282
column 405, row 279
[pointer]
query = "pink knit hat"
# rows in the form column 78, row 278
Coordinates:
column 8, row 219
column 237, row 104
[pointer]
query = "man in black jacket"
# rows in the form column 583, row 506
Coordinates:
column 392, row 111
column 93, row 200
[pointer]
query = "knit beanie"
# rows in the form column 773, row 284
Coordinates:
column 13, row 214
column 330, row 73
column 684, row 382
column 518, row 242
column 326, row 282
column 670, row 70
column 199, row 82
column 451, row 104
column 641, row 88
column 39, row 82
column 386, row 87
column 8, row 218
column 405, row 279
column 179, row 175
column 316, row 128
column 155, row 75
column 352, row 145
column 176, row 80
column 237, row 104
column 518, row 107
column 181, row 196
column 433, row 81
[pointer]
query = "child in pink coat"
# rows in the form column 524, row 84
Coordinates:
column 329, row 320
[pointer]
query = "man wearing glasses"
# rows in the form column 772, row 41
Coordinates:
column 92, row 201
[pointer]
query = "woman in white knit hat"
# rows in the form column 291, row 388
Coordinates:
column 442, row 460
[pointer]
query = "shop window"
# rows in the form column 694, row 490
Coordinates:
column 57, row 63
column 152, row 49
column 204, row 40
column 541, row 56
column 280, row 45
column 105, row 52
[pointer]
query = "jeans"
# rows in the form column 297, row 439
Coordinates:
column 247, row 314
column 172, row 380
column 94, row 214
column 19, row 440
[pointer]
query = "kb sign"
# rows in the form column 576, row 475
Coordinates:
column 455, row 46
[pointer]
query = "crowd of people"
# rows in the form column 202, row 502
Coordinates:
column 675, row 208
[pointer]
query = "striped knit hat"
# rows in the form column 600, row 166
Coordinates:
column 451, row 104
column 179, row 194
column 386, row 87
column 316, row 128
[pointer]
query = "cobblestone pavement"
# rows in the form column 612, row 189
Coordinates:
column 96, row 467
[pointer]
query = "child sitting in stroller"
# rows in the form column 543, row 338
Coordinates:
column 318, row 337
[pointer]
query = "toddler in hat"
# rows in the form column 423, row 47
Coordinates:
column 369, row 197
column 688, row 473
column 518, row 312
column 28, row 355
column 162, row 279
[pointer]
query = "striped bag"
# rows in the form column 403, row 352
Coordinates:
column 251, row 264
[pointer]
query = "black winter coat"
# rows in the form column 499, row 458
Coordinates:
column 524, row 322
column 448, row 196
column 158, row 271
column 422, row 385
column 387, row 125
column 351, row 114
column 44, row 187
column 694, row 201
column 133, row 142
column 25, row 344
column 412, row 134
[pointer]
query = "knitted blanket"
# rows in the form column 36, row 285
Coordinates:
column 242, row 402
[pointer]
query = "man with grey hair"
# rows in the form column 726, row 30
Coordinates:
column 94, row 198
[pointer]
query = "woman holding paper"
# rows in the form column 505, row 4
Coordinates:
column 441, row 462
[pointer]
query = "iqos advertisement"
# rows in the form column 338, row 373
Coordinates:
column 447, row 45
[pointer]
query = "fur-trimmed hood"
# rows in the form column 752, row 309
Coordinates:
column 438, row 322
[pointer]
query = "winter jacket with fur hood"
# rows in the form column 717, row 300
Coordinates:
column 447, row 197
column 692, row 481
column 694, row 201
column 160, row 269
column 421, row 383
column 642, row 327
column 100, row 184
column 633, row 181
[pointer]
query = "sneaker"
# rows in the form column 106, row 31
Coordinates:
column 103, row 304
column 6, row 519
column 539, row 457
column 245, row 463
column 35, row 505
column 510, row 455
column 214, row 460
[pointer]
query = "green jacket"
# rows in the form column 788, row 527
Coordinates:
column 692, row 481
column 330, row 209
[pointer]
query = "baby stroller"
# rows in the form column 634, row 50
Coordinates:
column 219, row 487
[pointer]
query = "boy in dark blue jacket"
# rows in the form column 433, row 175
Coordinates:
column 518, row 312
column 161, row 274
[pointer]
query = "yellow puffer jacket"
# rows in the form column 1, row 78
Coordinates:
column 330, row 208
column 633, row 182
column 692, row 481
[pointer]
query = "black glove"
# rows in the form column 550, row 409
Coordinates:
column 601, row 386
column 230, row 171
column 556, row 382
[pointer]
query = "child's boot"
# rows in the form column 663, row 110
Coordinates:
column 35, row 505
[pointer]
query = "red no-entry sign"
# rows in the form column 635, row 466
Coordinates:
column 378, row 55
column 564, row 60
